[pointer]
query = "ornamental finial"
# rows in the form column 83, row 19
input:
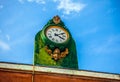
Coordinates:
column 56, row 19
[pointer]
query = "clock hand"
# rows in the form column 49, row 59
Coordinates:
column 61, row 33
column 59, row 36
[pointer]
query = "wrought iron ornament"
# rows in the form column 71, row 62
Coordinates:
column 54, row 46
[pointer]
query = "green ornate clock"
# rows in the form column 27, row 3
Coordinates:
column 54, row 46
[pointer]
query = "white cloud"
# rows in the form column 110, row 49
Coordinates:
column 68, row 6
column 4, row 46
column 36, row 1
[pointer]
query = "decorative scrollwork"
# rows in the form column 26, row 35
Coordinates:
column 56, row 54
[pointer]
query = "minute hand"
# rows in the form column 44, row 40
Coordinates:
column 61, row 37
column 61, row 34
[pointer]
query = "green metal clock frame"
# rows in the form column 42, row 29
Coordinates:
column 51, row 44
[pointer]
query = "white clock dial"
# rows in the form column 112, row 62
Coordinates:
column 57, row 34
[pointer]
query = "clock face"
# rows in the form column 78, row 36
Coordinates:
column 57, row 34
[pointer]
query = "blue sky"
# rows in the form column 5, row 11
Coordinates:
column 94, row 24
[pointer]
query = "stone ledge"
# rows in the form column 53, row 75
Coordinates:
column 58, row 70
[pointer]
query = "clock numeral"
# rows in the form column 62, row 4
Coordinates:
column 56, row 29
column 53, row 30
column 59, row 31
column 63, row 36
column 56, row 40
column 50, row 36
column 60, row 40
column 50, row 31
column 53, row 39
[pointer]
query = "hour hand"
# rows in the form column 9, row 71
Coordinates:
column 59, row 36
